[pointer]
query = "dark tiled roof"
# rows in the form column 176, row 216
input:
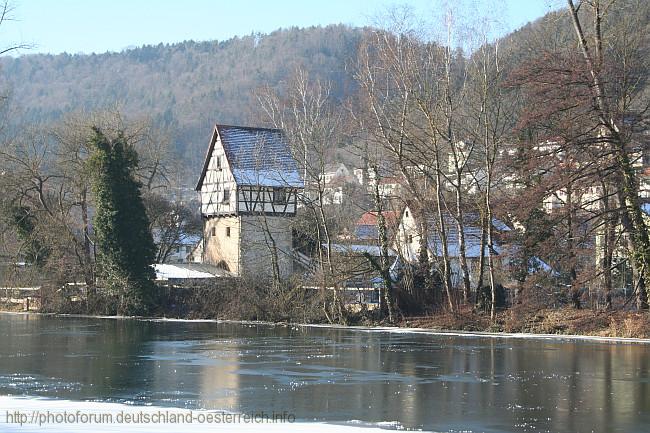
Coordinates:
column 257, row 156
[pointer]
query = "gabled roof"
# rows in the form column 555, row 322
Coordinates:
column 472, row 231
column 256, row 156
column 366, row 226
column 370, row 218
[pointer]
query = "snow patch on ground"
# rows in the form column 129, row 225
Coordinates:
column 41, row 415
column 505, row 335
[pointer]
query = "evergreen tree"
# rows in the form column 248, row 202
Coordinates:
column 125, row 247
column 24, row 221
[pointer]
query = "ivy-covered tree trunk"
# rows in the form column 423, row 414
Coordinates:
column 389, row 296
column 125, row 247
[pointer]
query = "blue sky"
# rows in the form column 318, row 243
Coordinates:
column 77, row 26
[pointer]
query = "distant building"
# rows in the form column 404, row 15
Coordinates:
column 365, row 228
column 248, row 186
column 334, row 192
column 196, row 254
column 175, row 247
column 336, row 171
column 182, row 252
column 361, row 176
column 407, row 241
column 391, row 187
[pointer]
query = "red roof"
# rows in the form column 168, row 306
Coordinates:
column 370, row 218
column 391, row 180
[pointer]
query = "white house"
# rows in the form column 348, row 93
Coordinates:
column 407, row 240
column 360, row 176
column 334, row 192
column 182, row 252
column 336, row 171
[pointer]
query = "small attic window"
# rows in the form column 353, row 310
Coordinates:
column 406, row 213
column 218, row 162
column 226, row 195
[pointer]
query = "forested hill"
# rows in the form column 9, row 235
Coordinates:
column 188, row 85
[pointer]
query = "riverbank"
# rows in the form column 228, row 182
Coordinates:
column 247, row 302
column 562, row 324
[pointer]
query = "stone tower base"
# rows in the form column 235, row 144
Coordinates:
column 245, row 245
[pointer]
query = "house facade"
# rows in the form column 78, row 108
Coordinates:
column 182, row 252
column 336, row 171
column 249, row 187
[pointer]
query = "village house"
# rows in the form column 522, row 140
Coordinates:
column 181, row 252
column 249, row 186
column 336, row 171
column 339, row 182
column 407, row 241
column 361, row 176
column 334, row 191
column 391, row 187
column 365, row 229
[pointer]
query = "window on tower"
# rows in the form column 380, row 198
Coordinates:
column 279, row 196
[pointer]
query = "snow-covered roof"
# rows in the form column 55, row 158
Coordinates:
column 472, row 232
column 333, row 167
column 373, row 250
column 257, row 156
column 536, row 264
column 175, row 272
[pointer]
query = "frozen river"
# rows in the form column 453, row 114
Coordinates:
column 344, row 378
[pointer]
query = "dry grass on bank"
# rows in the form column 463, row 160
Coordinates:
column 11, row 307
column 565, row 321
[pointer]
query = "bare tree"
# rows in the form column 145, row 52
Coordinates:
column 307, row 114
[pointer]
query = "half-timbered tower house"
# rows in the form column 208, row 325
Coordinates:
column 249, row 187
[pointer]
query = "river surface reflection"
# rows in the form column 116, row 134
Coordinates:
column 422, row 381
